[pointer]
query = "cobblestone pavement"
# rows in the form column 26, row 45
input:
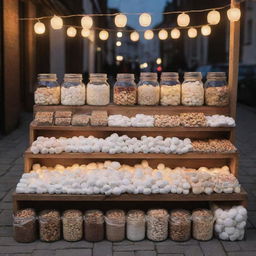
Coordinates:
column 11, row 164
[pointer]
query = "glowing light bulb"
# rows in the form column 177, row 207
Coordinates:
column 135, row 36
column 56, row 22
column 213, row 17
column 158, row 61
column 103, row 35
column 206, row 30
column 192, row 33
column 71, row 32
column 145, row 19
column 148, row 34
column 119, row 34
column 39, row 28
column 183, row 20
column 87, row 22
column 175, row 33
column 163, row 34
column 118, row 43
column 120, row 20
column 119, row 58
column 234, row 14
column 85, row 32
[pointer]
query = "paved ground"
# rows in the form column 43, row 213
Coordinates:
column 11, row 163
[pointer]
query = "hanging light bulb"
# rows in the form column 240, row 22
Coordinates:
column 87, row 22
column 85, row 32
column 56, row 22
column 120, row 20
column 183, row 20
column 145, row 19
column 135, row 36
column 119, row 57
column 175, row 33
column 118, row 43
column 71, row 32
column 158, row 61
column 163, row 34
column 103, row 35
column 119, row 34
column 148, row 34
column 192, row 33
column 213, row 17
column 39, row 28
column 206, row 30
column 234, row 14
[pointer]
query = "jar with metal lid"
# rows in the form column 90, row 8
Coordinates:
column 192, row 89
column 47, row 90
column 93, row 225
column 148, row 89
column 170, row 89
column 73, row 90
column 135, row 225
column 125, row 91
column 216, row 89
column 98, row 90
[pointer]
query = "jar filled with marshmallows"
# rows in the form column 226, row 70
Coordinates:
column 125, row 92
column 148, row 89
column 47, row 90
column 192, row 89
column 98, row 90
column 73, row 90
column 170, row 89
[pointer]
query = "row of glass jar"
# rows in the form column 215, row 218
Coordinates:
column 148, row 92
column 157, row 224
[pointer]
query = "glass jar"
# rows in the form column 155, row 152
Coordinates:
column 72, row 221
column 98, row 90
column 180, row 225
column 192, row 89
column 49, row 225
column 73, row 90
column 24, row 226
column 47, row 90
column 148, row 89
column 93, row 225
column 216, row 89
column 136, row 225
column 170, row 89
column 125, row 92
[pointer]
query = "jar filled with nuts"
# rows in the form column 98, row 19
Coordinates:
column 24, row 226
column 125, row 91
column 136, row 225
column 216, row 89
column 148, row 89
column 203, row 221
column 73, row 90
column 49, row 225
column 47, row 90
column 115, row 225
column 192, row 89
column 93, row 225
column 180, row 225
column 157, row 224
column 98, row 90
column 170, row 89
column 72, row 221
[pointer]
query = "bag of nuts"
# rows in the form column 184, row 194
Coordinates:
column 136, row 225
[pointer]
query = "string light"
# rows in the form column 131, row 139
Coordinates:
column 234, row 14
column 213, row 17
column 192, row 33
column 148, row 34
column 158, row 61
column 183, row 20
column 85, row 32
column 118, row 43
column 135, row 36
column 206, row 30
column 119, row 34
column 119, row 57
column 163, row 34
column 71, row 32
column 120, row 20
column 87, row 22
column 103, row 35
column 39, row 28
column 175, row 33
column 56, row 22
column 145, row 19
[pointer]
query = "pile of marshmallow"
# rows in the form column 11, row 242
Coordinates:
column 220, row 121
column 230, row 223
column 113, row 144
column 107, row 178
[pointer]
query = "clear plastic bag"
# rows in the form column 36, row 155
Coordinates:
column 135, row 225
